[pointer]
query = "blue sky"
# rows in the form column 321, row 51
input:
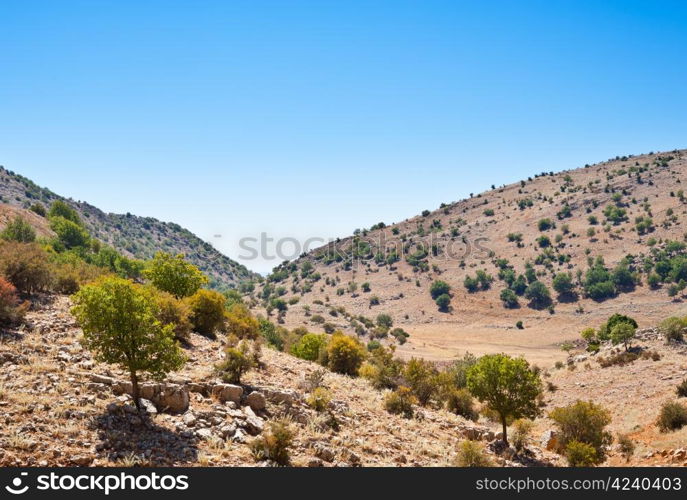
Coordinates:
column 304, row 119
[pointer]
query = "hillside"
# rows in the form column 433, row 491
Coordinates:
column 134, row 236
column 624, row 211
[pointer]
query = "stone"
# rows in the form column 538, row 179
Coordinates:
column 189, row 420
column 254, row 425
column 228, row 392
column 147, row 406
column 239, row 436
column 204, row 433
column 102, row 379
column 324, row 453
column 315, row 462
column 82, row 460
column 228, row 430
column 256, row 401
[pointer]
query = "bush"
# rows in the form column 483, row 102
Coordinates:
column 237, row 361
column 682, row 389
column 240, row 323
column 18, row 230
column 522, row 433
column 673, row 416
column 385, row 321
column 563, row 283
column 69, row 272
column 70, row 234
column 673, row 328
column 420, row 376
column 173, row 274
column 471, row 454
column 584, row 422
column 207, row 311
column 11, row 308
column 345, row 354
column 626, row 446
column 400, row 402
column 538, row 295
column 460, row 402
column 61, row 209
column 310, row 346
column 439, row 288
column 509, row 298
column 443, row 302
column 269, row 332
column 581, row 454
column 622, row 333
column 274, row 444
column 544, row 224
column 25, row 265
column 319, row 399
column 175, row 312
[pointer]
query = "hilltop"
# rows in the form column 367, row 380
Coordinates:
column 133, row 236
column 614, row 226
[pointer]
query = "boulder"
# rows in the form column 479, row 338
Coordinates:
column 254, row 425
column 549, row 440
column 166, row 397
column 227, row 392
column 256, row 400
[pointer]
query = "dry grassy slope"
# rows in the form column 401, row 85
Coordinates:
column 40, row 224
column 134, row 236
column 54, row 411
column 478, row 321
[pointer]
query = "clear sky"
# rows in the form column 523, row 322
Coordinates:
column 304, row 119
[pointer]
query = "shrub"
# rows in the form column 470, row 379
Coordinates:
column 519, row 325
column 563, row 283
column 626, row 446
column 25, row 265
column 443, row 302
column 471, row 454
column 439, row 288
column 237, row 361
column 269, row 332
column 70, row 234
column 604, row 332
column 460, row 402
column 319, row 399
column 175, row 312
column 239, row 322
column 673, row 328
column 584, row 422
column 682, row 389
column 509, row 299
column 581, row 454
column 544, row 224
column 207, row 311
column 673, row 416
column 61, row 209
column 522, row 433
column 173, row 274
column 538, row 295
column 400, row 402
column 38, row 209
column 69, row 272
column 544, row 241
column 11, row 308
column 622, row 333
column 310, row 346
column 420, row 376
column 384, row 321
column 274, row 444
column 18, row 230
column 507, row 385
column 345, row 354
column 120, row 325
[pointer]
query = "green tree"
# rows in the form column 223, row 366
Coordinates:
column 563, row 283
column 207, row 311
column 69, row 233
column 443, row 302
column 120, row 325
column 18, row 230
column 507, row 385
column 622, row 333
column 173, row 274
column 583, row 422
column 538, row 295
column 439, row 288
column 509, row 298
column 61, row 209
column 345, row 354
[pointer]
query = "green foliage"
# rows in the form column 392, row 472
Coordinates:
column 240, row 323
column 173, row 274
column 310, row 346
column 563, row 283
column 673, row 328
column 345, row 354
column 673, row 416
column 604, row 332
column 274, row 444
column 18, row 230
column 509, row 298
column 471, row 454
column 522, row 432
column 460, row 402
column 507, row 385
column 12, row 310
column 682, row 389
column 207, row 311
column 614, row 214
column 175, row 312
column 626, row 446
column 545, row 224
column 385, row 321
column 538, row 295
column 26, row 266
column 443, row 302
column 271, row 334
column 400, row 402
column 69, row 233
column 237, row 361
column 420, row 376
column 38, row 209
column 319, row 399
column 439, row 288
column 580, row 454
column 622, row 333
column 584, row 422
column 61, row 209
column 120, row 325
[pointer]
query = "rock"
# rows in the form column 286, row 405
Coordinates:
column 549, row 440
column 147, row 406
column 204, row 433
column 580, row 358
column 315, row 462
column 227, row 392
column 239, row 436
column 189, row 420
column 82, row 460
column 280, row 396
column 228, row 430
column 198, row 388
column 254, row 425
column 102, row 379
column 323, row 452
column 256, row 400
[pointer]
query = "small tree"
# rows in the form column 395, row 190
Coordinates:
column 563, row 284
column 439, row 288
column 120, row 325
column 18, row 230
column 443, row 302
column 345, row 354
column 583, row 422
column 207, row 311
column 507, row 385
column 622, row 333
column 174, row 275
column 509, row 299
column 538, row 295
